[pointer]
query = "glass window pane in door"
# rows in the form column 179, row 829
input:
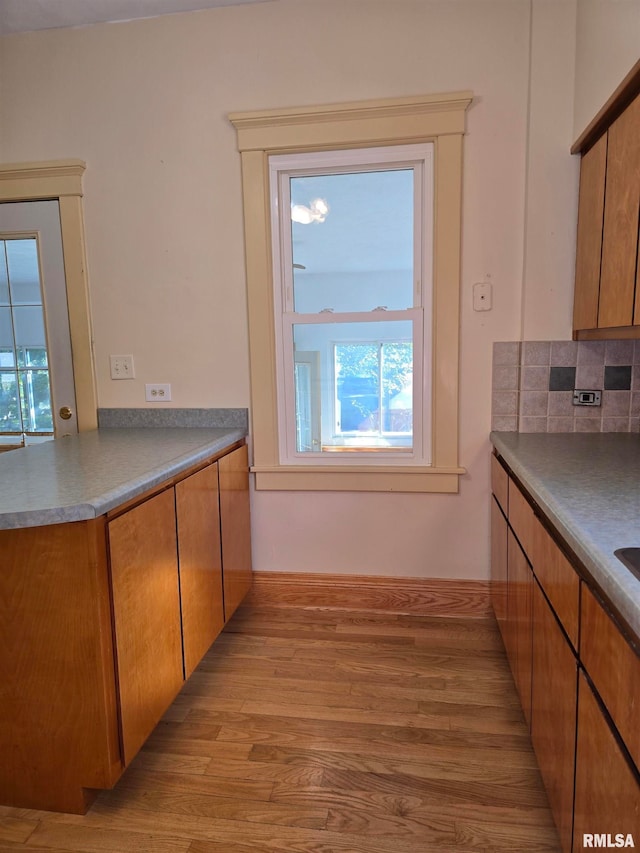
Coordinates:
column 24, row 271
column 4, row 278
column 30, row 336
column 7, row 345
column 10, row 415
column 36, row 401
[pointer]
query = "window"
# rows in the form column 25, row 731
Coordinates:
column 352, row 232
column 351, row 242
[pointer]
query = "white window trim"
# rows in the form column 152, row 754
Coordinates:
column 434, row 118
column 418, row 158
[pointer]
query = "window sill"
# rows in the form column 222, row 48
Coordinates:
column 357, row 479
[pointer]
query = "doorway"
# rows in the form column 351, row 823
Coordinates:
column 37, row 395
column 54, row 190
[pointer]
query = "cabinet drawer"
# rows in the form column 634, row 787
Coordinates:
column 558, row 579
column 521, row 519
column 614, row 669
column 500, row 484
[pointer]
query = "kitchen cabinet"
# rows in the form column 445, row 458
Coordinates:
column 95, row 615
column 606, row 294
column 607, row 795
column 580, row 686
column 200, row 560
column 519, row 624
column 601, row 643
column 234, row 524
column 553, row 712
column 58, row 714
column 146, row 616
column 499, row 542
column 499, row 546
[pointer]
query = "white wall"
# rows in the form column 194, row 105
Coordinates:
column 145, row 104
column 608, row 46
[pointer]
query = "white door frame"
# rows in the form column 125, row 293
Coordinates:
column 62, row 180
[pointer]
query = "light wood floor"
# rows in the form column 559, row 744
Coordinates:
column 320, row 731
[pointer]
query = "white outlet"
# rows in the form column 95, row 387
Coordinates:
column 157, row 393
column 121, row 366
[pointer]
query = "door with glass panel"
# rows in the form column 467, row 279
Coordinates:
column 37, row 397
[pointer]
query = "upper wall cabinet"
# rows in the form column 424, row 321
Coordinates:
column 607, row 295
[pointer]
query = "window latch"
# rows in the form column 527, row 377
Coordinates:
column 327, row 311
column 380, row 308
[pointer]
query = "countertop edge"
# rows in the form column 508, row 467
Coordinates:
column 96, row 505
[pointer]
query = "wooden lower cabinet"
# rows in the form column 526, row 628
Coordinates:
column 553, row 713
column 200, row 560
column 607, row 796
column 235, row 527
column 93, row 615
column 499, row 566
column 146, row 614
column 584, row 728
column 519, row 624
column 58, row 713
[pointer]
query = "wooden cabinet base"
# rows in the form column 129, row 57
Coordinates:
column 93, row 616
column 58, row 714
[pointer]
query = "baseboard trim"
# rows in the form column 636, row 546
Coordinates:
column 418, row 596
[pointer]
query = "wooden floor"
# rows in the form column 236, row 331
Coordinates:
column 321, row 731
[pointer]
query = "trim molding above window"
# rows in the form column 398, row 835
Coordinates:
column 438, row 119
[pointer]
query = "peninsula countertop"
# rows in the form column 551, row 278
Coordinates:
column 588, row 486
column 84, row 476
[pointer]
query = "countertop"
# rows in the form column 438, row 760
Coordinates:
column 86, row 475
column 588, row 486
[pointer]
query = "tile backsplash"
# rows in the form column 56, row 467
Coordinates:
column 533, row 384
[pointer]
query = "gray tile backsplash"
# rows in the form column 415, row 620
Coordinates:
column 533, row 382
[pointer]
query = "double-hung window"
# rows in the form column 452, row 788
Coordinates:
column 352, row 218
column 352, row 260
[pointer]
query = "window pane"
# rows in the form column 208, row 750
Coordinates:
column 29, row 327
column 36, row 400
column 4, row 280
column 24, row 273
column 362, row 398
column 352, row 241
column 9, row 406
column 7, row 358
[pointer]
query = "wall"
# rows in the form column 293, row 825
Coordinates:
column 608, row 40
column 145, row 104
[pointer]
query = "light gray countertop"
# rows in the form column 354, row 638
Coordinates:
column 86, row 475
column 588, row 486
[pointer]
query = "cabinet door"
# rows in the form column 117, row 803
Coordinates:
column 614, row 669
column 198, row 516
column 146, row 613
column 593, row 167
column 235, row 526
column 519, row 582
column 553, row 713
column 607, row 798
column 620, row 235
column 499, row 566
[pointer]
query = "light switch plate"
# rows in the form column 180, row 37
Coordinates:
column 121, row 366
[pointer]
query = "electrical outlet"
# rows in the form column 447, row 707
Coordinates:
column 121, row 366
column 157, row 393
